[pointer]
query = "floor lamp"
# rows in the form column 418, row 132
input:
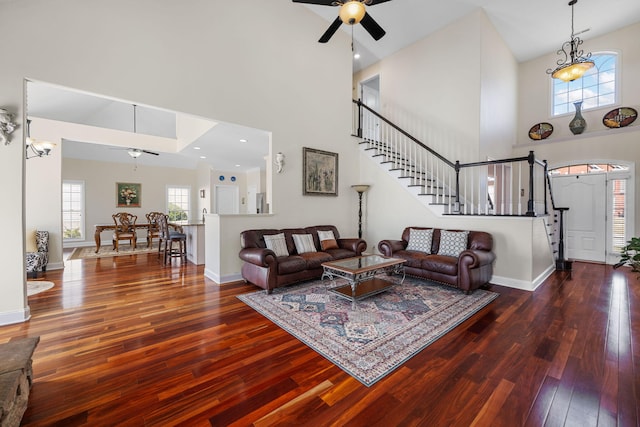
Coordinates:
column 361, row 189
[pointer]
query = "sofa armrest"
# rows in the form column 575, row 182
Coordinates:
column 353, row 244
column 258, row 256
column 388, row 247
column 475, row 258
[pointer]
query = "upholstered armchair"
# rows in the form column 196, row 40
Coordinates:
column 37, row 261
column 125, row 229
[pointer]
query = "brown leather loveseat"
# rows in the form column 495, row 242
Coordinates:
column 459, row 258
column 292, row 259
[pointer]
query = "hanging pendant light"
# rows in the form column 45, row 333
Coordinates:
column 574, row 64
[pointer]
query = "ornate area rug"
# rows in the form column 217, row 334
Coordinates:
column 37, row 286
column 372, row 337
column 106, row 251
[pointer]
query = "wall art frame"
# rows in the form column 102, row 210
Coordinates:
column 319, row 172
column 128, row 195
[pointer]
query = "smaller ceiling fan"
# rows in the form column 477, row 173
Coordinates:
column 136, row 152
column 351, row 13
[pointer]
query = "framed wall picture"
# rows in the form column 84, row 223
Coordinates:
column 128, row 195
column 320, row 172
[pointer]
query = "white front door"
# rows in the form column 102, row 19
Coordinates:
column 227, row 199
column 586, row 222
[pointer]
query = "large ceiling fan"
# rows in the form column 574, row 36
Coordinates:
column 351, row 13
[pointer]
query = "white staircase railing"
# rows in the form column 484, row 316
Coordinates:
column 514, row 187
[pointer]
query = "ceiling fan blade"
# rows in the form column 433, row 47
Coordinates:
column 319, row 2
column 150, row 152
column 372, row 27
column 331, row 30
column 374, row 2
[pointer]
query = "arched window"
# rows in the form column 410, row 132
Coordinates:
column 597, row 88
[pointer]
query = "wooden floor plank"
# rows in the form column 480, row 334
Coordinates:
column 127, row 341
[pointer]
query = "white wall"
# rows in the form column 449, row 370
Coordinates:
column 498, row 95
column 197, row 57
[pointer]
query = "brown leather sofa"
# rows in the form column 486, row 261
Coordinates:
column 472, row 268
column 263, row 268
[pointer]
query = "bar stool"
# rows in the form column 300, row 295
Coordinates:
column 167, row 240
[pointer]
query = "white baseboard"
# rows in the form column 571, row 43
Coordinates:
column 55, row 266
column 523, row 284
column 227, row 278
column 18, row 316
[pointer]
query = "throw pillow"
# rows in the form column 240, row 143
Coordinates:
column 327, row 240
column 326, row 235
column 452, row 243
column 304, row 243
column 277, row 244
column 420, row 240
column 329, row 244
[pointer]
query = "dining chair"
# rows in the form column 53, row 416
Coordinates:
column 125, row 229
column 167, row 238
column 153, row 230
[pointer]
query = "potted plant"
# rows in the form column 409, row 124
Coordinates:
column 630, row 255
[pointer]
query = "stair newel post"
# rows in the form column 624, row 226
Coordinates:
column 456, row 204
column 530, row 208
column 561, row 263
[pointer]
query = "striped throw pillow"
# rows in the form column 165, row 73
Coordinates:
column 277, row 244
column 304, row 243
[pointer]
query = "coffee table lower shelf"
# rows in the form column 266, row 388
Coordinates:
column 363, row 289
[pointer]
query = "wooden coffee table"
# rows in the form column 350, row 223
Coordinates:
column 361, row 273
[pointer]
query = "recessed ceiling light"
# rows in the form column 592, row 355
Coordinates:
column 203, row 157
column 356, row 56
column 196, row 148
column 237, row 166
column 243, row 140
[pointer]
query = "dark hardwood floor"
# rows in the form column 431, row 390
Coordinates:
column 126, row 341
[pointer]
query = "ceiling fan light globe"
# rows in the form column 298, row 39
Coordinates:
column 352, row 12
column 134, row 153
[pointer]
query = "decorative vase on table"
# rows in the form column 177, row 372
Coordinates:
column 578, row 124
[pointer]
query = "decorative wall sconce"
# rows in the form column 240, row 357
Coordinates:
column 279, row 162
column 36, row 148
column 361, row 189
column 7, row 126
column 202, row 193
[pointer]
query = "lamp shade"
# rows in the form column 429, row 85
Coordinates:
column 360, row 188
column 571, row 72
column 352, row 12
